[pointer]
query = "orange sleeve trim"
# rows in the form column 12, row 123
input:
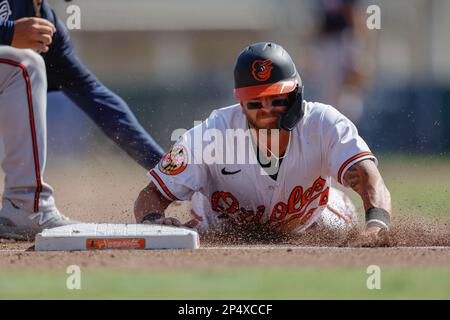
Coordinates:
column 346, row 163
column 162, row 185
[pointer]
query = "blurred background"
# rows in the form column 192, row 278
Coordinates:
column 172, row 61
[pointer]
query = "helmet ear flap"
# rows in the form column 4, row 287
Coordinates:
column 289, row 119
column 292, row 96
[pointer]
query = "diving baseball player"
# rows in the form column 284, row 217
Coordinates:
column 309, row 144
column 36, row 56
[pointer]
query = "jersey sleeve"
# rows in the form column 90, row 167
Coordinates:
column 180, row 173
column 6, row 32
column 342, row 145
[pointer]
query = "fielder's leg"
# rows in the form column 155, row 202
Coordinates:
column 110, row 113
column 28, row 205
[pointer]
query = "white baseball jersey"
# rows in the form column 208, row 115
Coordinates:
column 324, row 144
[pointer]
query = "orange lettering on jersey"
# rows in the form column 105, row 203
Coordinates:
column 224, row 202
column 245, row 214
column 307, row 196
column 307, row 215
column 295, row 199
column 227, row 205
column 279, row 211
column 324, row 197
column 259, row 214
column 298, row 202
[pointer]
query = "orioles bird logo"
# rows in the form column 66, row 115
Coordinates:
column 261, row 69
column 175, row 161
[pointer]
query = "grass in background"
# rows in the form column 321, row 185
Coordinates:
column 231, row 284
column 419, row 185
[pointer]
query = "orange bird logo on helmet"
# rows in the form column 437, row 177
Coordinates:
column 262, row 69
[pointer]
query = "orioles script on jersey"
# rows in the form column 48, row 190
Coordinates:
column 298, row 203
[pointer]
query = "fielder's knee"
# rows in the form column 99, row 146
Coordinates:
column 31, row 60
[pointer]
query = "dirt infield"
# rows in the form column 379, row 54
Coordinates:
column 226, row 257
column 420, row 245
column 95, row 191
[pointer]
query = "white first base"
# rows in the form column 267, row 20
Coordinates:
column 90, row 236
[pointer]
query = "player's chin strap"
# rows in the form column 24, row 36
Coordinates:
column 289, row 119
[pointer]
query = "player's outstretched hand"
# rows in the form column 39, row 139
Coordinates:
column 373, row 231
column 168, row 221
column 374, row 237
column 33, row 33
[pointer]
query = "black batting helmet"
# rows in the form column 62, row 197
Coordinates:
column 265, row 69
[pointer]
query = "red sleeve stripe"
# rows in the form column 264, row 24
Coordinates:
column 346, row 163
column 37, row 166
column 163, row 186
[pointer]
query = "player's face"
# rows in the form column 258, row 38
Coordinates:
column 263, row 113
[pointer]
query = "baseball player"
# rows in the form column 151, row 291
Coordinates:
column 36, row 56
column 315, row 144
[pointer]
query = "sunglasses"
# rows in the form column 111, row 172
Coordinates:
column 275, row 103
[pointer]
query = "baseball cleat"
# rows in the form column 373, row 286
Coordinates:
column 18, row 224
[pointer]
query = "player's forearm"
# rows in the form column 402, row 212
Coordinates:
column 377, row 195
column 365, row 179
column 149, row 201
column 111, row 114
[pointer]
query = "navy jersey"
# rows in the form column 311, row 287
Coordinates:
column 67, row 73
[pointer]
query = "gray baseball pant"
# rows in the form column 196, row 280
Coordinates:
column 23, row 105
